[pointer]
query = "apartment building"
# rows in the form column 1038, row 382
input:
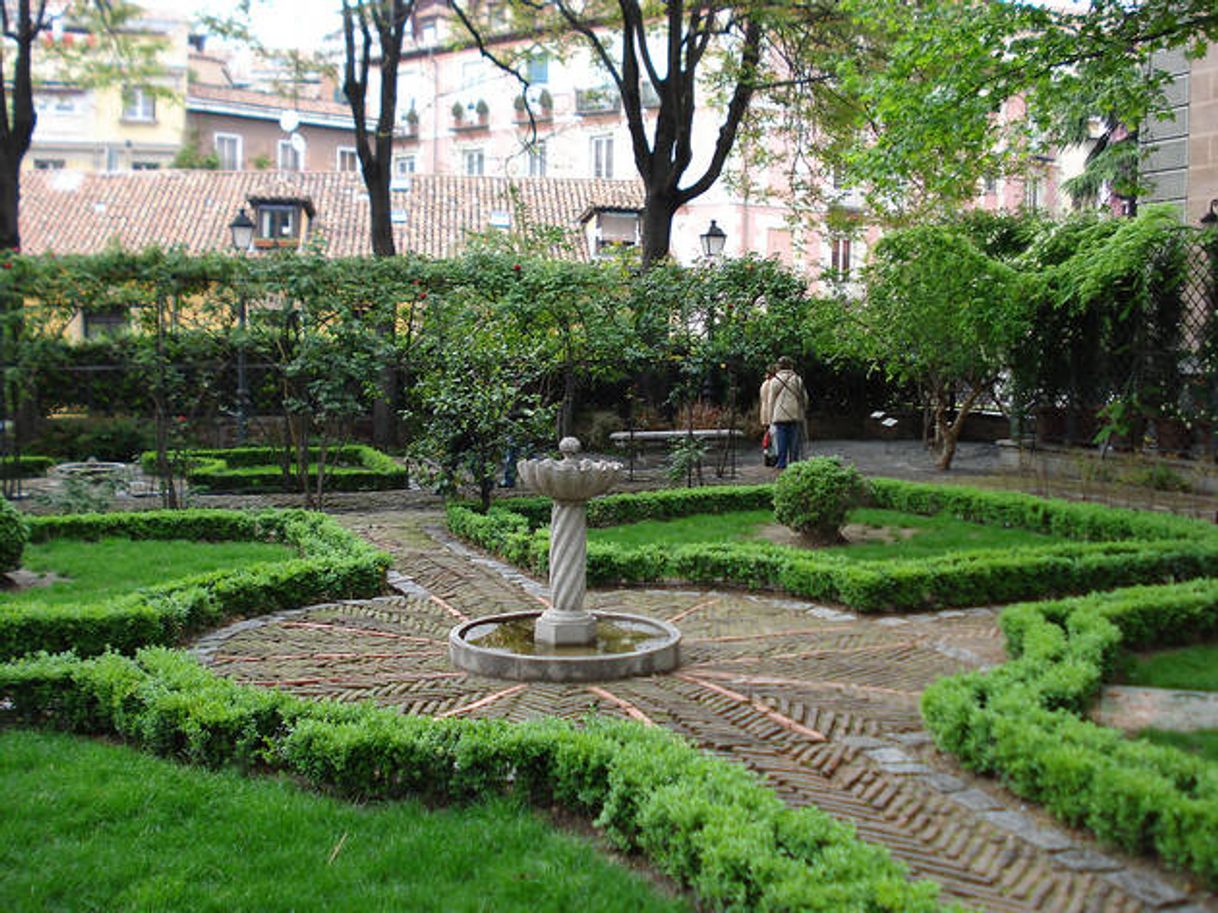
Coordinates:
column 116, row 127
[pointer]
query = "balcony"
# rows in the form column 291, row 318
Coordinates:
column 597, row 101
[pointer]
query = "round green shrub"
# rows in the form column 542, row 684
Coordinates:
column 14, row 533
column 812, row 497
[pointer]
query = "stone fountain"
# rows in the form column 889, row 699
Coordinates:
column 566, row 642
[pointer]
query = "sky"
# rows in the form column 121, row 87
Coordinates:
column 278, row 24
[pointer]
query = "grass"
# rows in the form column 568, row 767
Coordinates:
column 1192, row 668
column 936, row 535
column 112, row 567
column 1203, row 742
column 89, row 826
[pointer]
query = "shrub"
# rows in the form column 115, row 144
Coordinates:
column 1023, row 721
column 1126, row 547
column 14, row 533
column 707, row 822
column 352, row 467
column 26, row 466
column 333, row 564
column 812, row 497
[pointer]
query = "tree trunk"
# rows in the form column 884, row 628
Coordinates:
column 658, row 211
column 10, row 201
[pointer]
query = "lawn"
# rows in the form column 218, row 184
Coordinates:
column 920, row 536
column 112, row 567
column 91, row 826
column 1193, row 668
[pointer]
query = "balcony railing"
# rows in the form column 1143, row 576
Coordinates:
column 597, row 101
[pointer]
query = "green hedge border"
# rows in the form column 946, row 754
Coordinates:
column 706, row 822
column 333, row 564
column 26, row 466
column 1118, row 547
column 1024, row 723
column 257, row 469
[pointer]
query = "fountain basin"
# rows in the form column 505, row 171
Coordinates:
column 627, row 645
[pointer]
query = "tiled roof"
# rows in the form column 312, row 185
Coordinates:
column 273, row 104
column 70, row 212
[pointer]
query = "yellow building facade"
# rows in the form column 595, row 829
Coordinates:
column 115, row 128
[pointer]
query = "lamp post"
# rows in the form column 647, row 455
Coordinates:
column 713, row 240
column 242, row 229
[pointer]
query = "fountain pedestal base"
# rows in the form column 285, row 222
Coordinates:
column 565, row 629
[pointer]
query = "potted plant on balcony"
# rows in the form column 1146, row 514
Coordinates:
column 458, row 112
column 412, row 121
column 483, row 110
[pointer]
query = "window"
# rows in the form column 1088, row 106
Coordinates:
column 602, row 157
column 537, row 160
column 615, row 230
column 991, row 182
column 228, row 151
column 427, row 33
column 471, row 74
column 103, row 324
column 138, row 105
column 839, row 256
column 291, row 158
column 278, row 222
column 65, row 104
column 1033, row 194
column 538, row 72
column 348, row 160
column 403, row 165
column 48, row 164
column 145, row 166
column 473, row 162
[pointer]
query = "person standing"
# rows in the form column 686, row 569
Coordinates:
column 768, row 441
column 788, row 403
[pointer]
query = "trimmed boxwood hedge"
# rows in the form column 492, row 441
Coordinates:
column 14, row 533
column 26, row 466
column 1023, row 722
column 708, row 823
column 1117, row 547
column 333, row 564
column 351, row 467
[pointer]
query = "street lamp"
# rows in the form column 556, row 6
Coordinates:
column 713, row 240
column 242, row 229
column 1210, row 219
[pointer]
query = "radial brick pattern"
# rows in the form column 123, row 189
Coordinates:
column 822, row 703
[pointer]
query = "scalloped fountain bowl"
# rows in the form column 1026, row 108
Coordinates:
column 566, row 643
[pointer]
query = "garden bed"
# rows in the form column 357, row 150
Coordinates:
column 351, row 467
column 705, row 822
column 329, row 563
column 1108, row 547
column 1024, row 722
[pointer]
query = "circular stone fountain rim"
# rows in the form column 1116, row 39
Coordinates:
column 496, row 663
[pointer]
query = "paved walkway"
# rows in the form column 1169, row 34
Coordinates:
column 822, row 703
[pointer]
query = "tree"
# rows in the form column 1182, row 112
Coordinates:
column 113, row 57
column 954, row 91
column 941, row 314
column 375, row 30
column 718, row 54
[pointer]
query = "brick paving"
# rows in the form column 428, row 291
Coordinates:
column 821, row 702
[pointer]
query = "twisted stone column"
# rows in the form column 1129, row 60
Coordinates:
column 566, row 622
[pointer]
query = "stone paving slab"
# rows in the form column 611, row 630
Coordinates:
column 822, row 703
